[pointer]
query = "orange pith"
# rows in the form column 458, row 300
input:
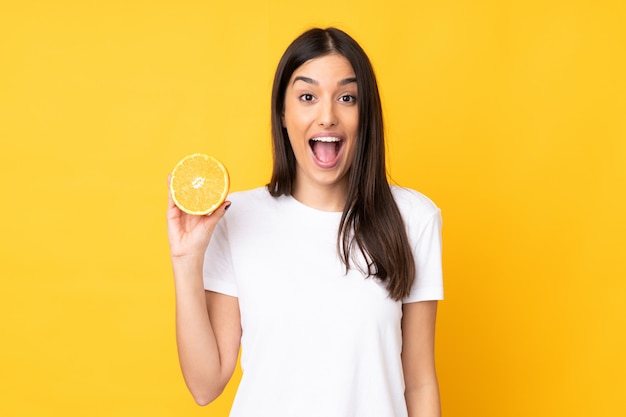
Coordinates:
column 199, row 184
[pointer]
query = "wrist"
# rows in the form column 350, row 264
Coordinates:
column 187, row 265
column 177, row 252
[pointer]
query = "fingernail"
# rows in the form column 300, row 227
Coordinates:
column 227, row 207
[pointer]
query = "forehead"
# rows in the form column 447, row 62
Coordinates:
column 325, row 67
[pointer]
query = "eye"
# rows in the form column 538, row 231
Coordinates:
column 307, row 97
column 347, row 98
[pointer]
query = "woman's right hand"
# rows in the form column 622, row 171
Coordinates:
column 208, row 324
column 188, row 234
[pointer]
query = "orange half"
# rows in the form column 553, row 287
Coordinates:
column 199, row 184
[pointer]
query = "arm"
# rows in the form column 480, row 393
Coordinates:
column 418, row 359
column 208, row 327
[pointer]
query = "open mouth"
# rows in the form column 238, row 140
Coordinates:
column 326, row 149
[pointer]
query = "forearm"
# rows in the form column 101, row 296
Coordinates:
column 418, row 359
column 423, row 401
column 197, row 345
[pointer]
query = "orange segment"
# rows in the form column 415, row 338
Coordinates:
column 199, row 184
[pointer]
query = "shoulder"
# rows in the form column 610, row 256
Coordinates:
column 414, row 205
column 253, row 203
column 258, row 195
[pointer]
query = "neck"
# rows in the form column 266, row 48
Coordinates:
column 322, row 197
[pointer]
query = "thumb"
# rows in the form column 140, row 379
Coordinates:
column 217, row 215
column 223, row 208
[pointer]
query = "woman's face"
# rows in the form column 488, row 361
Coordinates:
column 321, row 117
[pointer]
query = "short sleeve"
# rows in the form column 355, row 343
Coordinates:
column 218, row 272
column 426, row 246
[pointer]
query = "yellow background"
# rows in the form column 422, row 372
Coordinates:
column 511, row 115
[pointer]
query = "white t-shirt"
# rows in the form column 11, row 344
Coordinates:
column 316, row 342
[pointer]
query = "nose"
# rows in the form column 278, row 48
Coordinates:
column 327, row 116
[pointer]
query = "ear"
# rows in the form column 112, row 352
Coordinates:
column 282, row 119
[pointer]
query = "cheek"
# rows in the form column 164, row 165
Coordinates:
column 351, row 121
column 297, row 127
column 290, row 120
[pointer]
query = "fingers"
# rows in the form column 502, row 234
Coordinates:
column 170, row 200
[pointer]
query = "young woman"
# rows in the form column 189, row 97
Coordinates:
column 328, row 278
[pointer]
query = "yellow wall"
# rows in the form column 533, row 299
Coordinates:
column 511, row 115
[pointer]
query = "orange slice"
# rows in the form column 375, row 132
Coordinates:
column 199, row 184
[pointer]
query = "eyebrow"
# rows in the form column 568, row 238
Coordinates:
column 315, row 82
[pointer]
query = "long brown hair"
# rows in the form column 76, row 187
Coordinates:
column 371, row 222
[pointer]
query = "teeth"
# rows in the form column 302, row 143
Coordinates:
column 327, row 139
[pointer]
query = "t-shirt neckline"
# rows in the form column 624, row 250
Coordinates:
column 291, row 200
